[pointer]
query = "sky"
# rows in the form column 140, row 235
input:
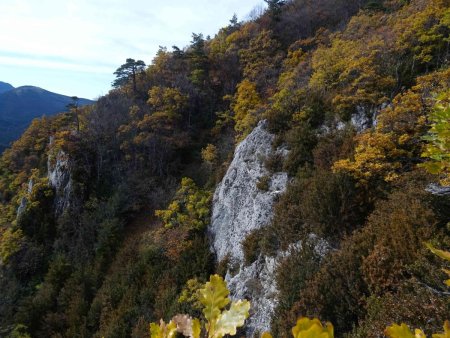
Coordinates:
column 73, row 47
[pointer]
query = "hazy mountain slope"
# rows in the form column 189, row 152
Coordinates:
column 19, row 106
column 4, row 87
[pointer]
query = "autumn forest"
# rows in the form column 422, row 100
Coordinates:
column 105, row 210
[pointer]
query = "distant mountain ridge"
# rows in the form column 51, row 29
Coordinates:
column 4, row 87
column 19, row 106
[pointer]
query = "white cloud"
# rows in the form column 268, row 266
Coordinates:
column 80, row 35
column 46, row 64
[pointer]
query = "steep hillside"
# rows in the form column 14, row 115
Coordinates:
column 19, row 106
column 303, row 155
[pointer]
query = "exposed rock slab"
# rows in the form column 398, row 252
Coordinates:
column 24, row 199
column 438, row 190
column 239, row 207
column 59, row 178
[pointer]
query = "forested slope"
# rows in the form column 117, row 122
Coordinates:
column 104, row 210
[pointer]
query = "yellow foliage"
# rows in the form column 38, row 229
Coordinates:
column 374, row 156
column 355, row 69
column 214, row 297
column 168, row 100
column 312, row 328
column 189, row 294
column 383, row 152
column 446, row 333
column 209, row 154
column 240, row 38
column 247, row 106
column 190, row 207
column 219, row 320
column 163, row 330
column 402, row 331
column 308, row 328
column 266, row 335
column 425, row 33
column 444, row 255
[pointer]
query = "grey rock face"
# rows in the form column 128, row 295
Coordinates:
column 438, row 190
column 22, row 206
column 24, row 200
column 366, row 118
column 59, row 178
column 363, row 119
column 257, row 283
column 239, row 207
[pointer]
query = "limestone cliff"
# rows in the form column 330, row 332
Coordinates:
column 240, row 207
column 24, row 199
column 60, row 178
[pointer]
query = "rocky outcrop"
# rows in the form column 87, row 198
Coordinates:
column 365, row 118
column 24, row 199
column 438, row 190
column 60, row 178
column 362, row 119
column 257, row 282
column 239, row 207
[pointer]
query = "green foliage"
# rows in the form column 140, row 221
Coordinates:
column 143, row 261
column 128, row 72
column 10, row 243
column 301, row 139
column 189, row 208
column 20, row 331
column 37, row 220
column 376, row 260
column 198, row 61
column 437, row 149
column 154, row 134
column 292, row 275
column 326, row 204
column 274, row 7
